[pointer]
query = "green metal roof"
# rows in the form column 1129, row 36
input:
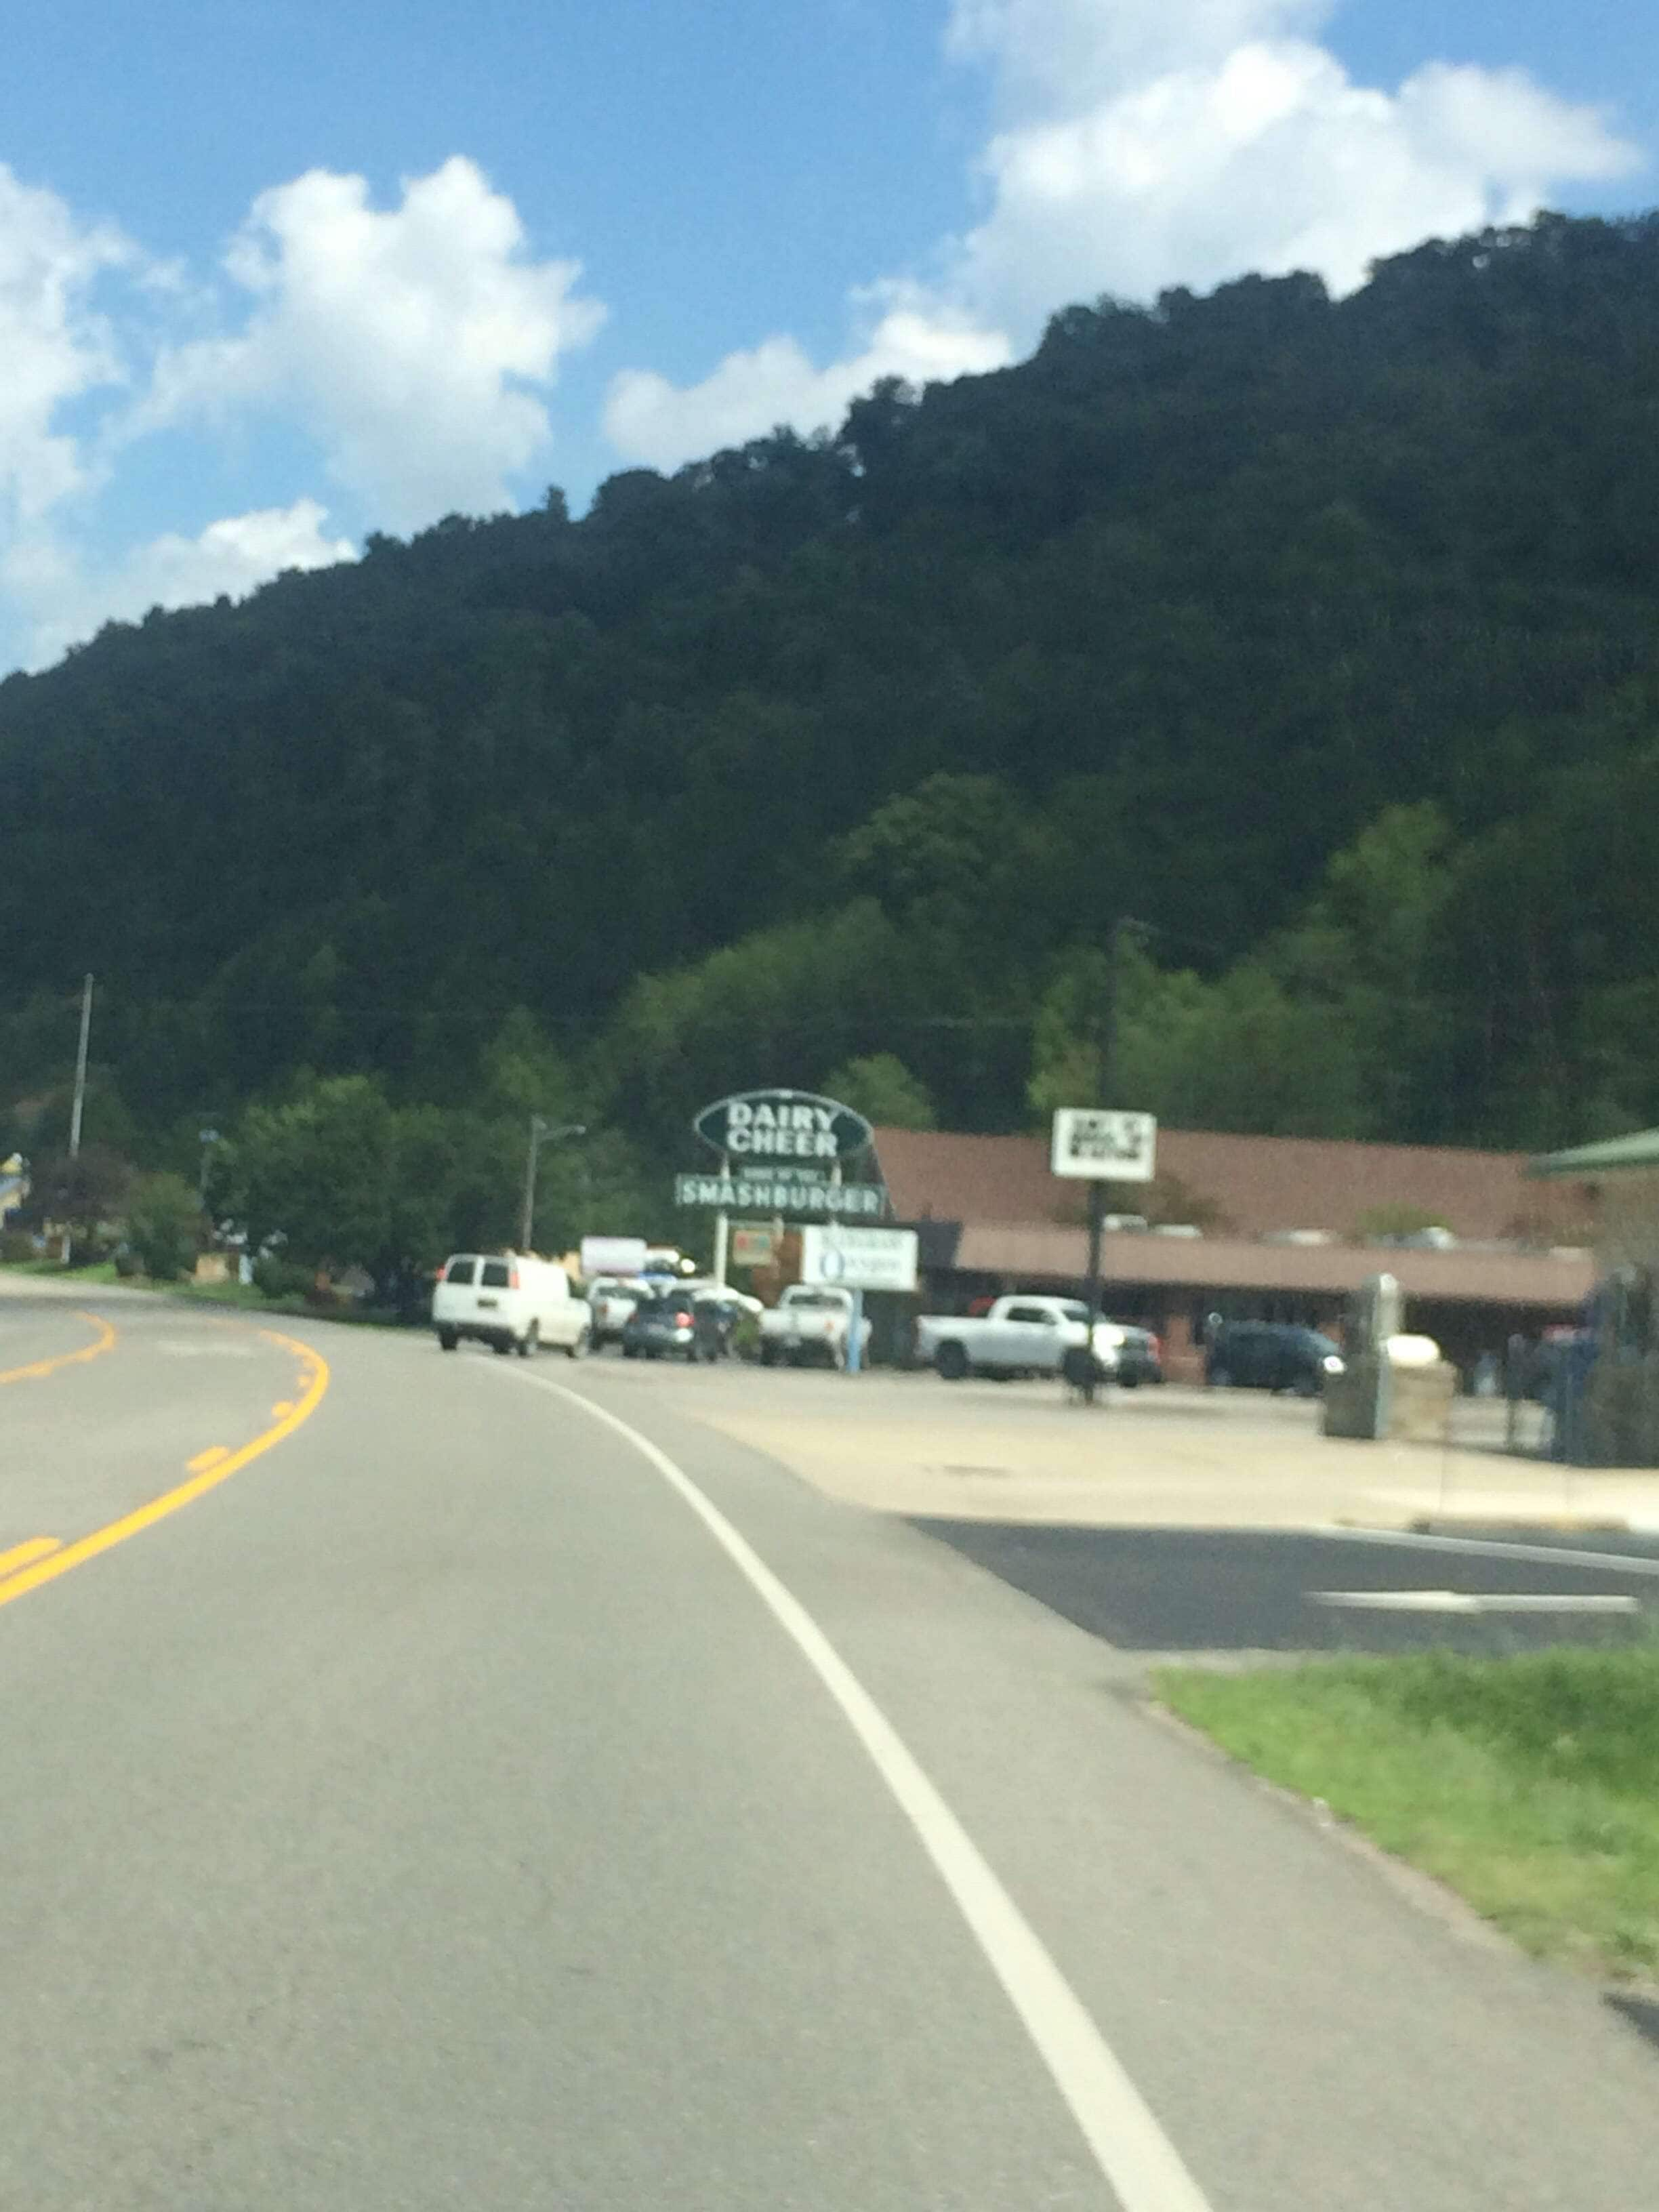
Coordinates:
column 1640, row 1150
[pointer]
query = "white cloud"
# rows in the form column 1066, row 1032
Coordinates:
column 233, row 555
column 648, row 419
column 416, row 344
column 1150, row 142
column 55, row 347
column 66, row 602
column 1145, row 143
column 1054, row 58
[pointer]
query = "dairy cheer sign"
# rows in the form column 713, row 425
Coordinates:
column 784, row 1129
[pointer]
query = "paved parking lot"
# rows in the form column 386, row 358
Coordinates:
column 1170, row 1457
column 1162, row 1589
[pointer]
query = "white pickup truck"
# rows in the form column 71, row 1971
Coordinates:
column 809, row 1324
column 1018, row 1336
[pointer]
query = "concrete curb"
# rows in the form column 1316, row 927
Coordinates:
column 1497, row 1528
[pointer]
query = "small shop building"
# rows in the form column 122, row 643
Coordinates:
column 1255, row 1228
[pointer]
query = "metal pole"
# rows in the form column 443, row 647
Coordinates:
column 209, row 1139
column 1091, row 1287
column 527, row 1218
column 76, row 1110
column 722, row 1229
column 855, row 1335
column 1105, row 1057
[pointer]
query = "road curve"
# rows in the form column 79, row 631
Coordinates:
column 436, row 1812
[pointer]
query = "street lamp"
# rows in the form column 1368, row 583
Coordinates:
column 209, row 1137
column 541, row 1133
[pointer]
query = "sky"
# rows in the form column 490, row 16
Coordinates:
column 273, row 277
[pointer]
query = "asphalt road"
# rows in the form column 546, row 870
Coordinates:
column 1187, row 1590
column 446, row 1798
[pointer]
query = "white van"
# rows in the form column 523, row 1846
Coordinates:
column 510, row 1301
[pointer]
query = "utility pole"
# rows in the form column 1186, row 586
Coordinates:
column 78, row 1106
column 81, row 1071
column 1106, row 1013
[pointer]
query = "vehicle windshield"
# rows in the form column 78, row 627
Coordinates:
column 814, row 1300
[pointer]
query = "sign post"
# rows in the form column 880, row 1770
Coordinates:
column 722, row 1232
column 1101, row 1144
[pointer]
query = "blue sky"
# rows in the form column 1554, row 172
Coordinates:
column 273, row 277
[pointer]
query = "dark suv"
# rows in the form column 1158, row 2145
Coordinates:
column 1271, row 1355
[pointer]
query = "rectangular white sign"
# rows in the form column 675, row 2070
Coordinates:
column 1102, row 1145
column 858, row 1258
column 612, row 1255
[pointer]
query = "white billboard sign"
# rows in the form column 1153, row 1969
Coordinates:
column 612, row 1255
column 1103, row 1145
column 852, row 1259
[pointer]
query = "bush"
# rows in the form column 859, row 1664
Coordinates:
column 164, row 1226
column 277, row 1278
column 127, row 1263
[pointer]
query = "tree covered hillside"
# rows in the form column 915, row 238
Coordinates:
column 1321, row 638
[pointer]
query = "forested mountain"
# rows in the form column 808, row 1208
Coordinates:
column 1321, row 638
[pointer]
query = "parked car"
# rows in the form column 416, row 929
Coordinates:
column 611, row 1299
column 511, row 1301
column 1269, row 1355
column 810, row 1325
column 1139, row 1355
column 677, row 1324
column 1020, row 1335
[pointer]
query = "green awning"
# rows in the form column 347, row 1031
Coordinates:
column 1609, row 1158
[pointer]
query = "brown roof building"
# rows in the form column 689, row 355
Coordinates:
column 1281, row 1228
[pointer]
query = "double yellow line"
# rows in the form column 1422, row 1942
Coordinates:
column 43, row 1558
column 37, row 1368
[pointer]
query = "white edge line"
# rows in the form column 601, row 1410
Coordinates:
column 1132, row 2150
column 1554, row 1555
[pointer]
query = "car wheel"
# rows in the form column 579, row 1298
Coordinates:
column 447, row 1339
column 578, row 1350
column 530, row 1342
column 951, row 1362
column 501, row 1347
column 631, row 1351
column 1305, row 1386
column 769, row 1354
column 1221, row 1378
column 1130, row 1380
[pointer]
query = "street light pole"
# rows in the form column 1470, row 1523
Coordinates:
column 209, row 1139
column 541, row 1132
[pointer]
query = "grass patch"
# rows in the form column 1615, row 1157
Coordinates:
column 1528, row 1785
column 102, row 1271
column 248, row 1297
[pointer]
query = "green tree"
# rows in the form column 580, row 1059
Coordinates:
column 878, row 1085
column 164, row 1225
column 1239, row 1054
column 319, row 1173
column 85, row 1194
